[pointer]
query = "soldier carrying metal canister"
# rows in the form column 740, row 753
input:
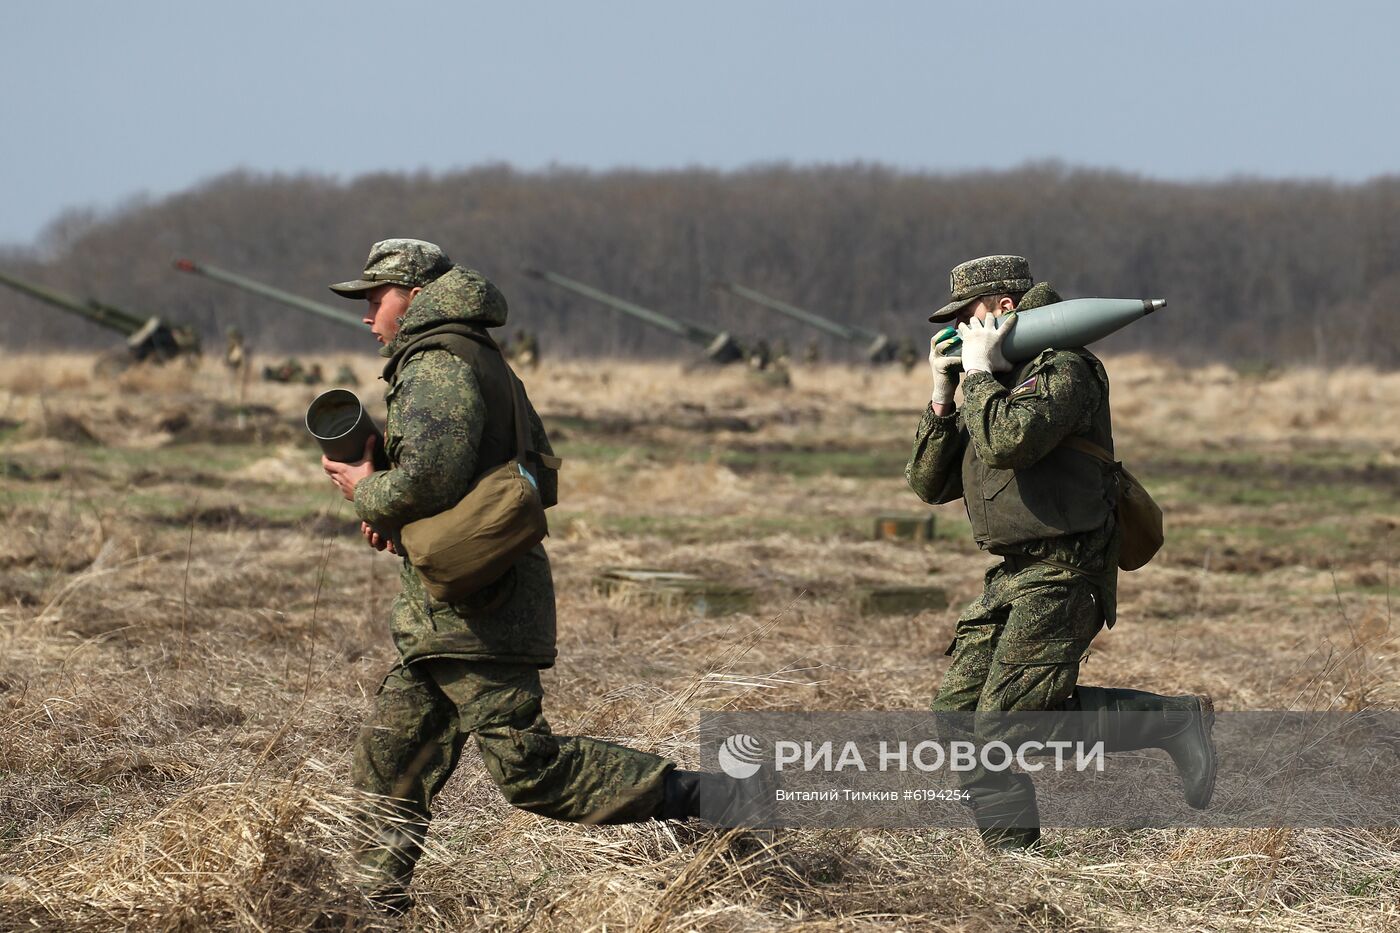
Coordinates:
column 472, row 667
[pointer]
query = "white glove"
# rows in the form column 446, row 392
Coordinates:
column 946, row 369
column 982, row 343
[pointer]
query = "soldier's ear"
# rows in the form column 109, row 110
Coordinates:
column 413, row 292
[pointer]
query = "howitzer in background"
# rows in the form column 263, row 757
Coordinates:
column 1077, row 322
column 148, row 339
column 719, row 346
column 328, row 312
column 879, row 348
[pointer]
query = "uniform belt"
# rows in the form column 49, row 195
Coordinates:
column 1015, row 563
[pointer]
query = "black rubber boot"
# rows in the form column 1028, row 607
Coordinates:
column 1011, row 838
column 391, row 902
column 387, row 857
column 1008, row 819
column 717, row 799
column 1181, row 725
column 680, row 796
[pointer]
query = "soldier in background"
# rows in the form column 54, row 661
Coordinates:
column 235, row 355
column 345, row 376
column 760, row 356
column 292, row 370
column 525, row 349
column 908, row 355
column 471, row 667
column 782, row 356
column 812, row 353
column 289, row 370
column 1047, row 511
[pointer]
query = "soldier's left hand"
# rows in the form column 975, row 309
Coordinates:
column 982, row 343
column 347, row 476
column 376, row 540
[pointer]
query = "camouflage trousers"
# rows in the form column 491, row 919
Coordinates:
column 1019, row 645
column 1018, row 648
column 422, row 716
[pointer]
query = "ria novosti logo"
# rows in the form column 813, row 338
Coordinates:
column 740, row 756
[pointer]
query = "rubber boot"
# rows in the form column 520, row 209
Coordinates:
column 1180, row 725
column 717, row 799
column 1011, row 838
column 386, row 860
column 1008, row 819
column 391, row 902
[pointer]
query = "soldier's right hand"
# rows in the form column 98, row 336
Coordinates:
column 946, row 369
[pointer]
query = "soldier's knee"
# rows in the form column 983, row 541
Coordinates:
column 955, row 701
column 518, row 760
column 403, row 737
column 382, row 742
column 1036, row 691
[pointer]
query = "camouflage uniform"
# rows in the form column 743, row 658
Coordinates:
column 525, row 349
column 467, row 668
column 760, row 356
column 908, row 355
column 289, row 370
column 1047, row 511
column 345, row 376
column 235, row 356
column 782, row 356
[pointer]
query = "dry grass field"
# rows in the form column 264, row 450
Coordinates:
column 190, row 630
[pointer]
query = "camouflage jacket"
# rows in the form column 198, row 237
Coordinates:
column 433, row 438
column 1034, row 500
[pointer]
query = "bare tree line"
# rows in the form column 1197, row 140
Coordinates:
column 1255, row 271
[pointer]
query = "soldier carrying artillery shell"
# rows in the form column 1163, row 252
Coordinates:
column 1015, row 452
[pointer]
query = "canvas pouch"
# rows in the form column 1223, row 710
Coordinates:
column 474, row 543
column 1139, row 516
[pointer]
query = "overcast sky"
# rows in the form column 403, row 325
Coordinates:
column 104, row 100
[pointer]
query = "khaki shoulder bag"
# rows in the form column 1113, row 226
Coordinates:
column 474, row 543
column 1138, row 515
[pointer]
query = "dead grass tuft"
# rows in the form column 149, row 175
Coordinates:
column 260, row 855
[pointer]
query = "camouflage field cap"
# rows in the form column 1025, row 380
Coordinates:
column 410, row 263
column 990, row 275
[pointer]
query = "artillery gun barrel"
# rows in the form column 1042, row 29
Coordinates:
column 267, row 291
column 692, row 332
column 843, row 331
column 146, row 338
column 879, row 348
column 113, row 318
